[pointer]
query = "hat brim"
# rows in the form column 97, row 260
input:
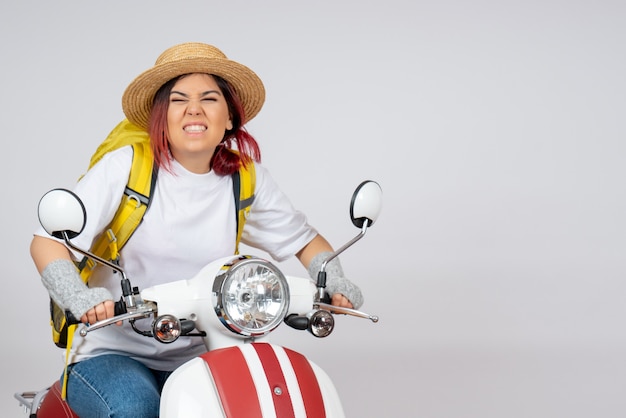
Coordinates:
column 139, row 95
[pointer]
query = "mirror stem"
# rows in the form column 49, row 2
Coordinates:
column 126, row 287
column 321, row 275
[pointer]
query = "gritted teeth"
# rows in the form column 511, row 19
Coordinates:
column 195, row 128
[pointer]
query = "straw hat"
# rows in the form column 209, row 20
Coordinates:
column 189, row 58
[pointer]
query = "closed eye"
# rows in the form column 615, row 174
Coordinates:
column 212, row 95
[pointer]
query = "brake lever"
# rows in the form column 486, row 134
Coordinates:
column 345, row 311
column 143, row 312
column 120, row 308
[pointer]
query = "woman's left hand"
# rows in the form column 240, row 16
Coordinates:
column 340, row 300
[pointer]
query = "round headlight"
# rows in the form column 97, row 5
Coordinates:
column 251, row 296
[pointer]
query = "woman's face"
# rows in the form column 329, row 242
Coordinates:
column 197, row 118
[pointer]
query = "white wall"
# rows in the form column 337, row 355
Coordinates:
column 496, row 129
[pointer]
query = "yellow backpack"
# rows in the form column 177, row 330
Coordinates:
column 133, row 206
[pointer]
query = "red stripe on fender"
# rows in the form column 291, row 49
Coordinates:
column 234, row 382
column 276, row 380
column 309, row 386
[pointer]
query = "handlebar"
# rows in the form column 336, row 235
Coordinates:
column 121, row 314
column 120, row 309
column 145, row 309
column 140, row 313
column 325, row 303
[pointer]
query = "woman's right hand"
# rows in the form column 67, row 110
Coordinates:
column 99, row 312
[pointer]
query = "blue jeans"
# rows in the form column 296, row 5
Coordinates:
column 114, row 386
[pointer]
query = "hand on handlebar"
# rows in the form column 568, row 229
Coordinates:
column 340, row 300
column 100, row 312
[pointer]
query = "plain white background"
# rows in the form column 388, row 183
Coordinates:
column 495, row 128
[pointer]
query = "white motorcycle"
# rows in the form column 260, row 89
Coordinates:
column 234, row 304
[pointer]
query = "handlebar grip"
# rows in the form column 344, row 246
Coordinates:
column 70, row 319
column 120, row 308
column 326, row 298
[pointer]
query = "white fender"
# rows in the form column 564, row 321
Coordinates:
column 251, row 380
column 189, row 392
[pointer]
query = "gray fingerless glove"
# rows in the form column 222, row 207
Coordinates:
column 67, row 289
column 335, row 280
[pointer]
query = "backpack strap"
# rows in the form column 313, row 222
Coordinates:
column 141, row 181
column 244, row 182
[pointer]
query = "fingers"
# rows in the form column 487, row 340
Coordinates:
column 340, row 300
column 99, row 312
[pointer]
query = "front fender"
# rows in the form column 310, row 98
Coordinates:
column 251, row 380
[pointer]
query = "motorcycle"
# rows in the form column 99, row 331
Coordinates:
column 233, row 304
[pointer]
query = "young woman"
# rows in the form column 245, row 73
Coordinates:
column 193, row 103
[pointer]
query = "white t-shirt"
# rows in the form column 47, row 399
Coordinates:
column 191, row 221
